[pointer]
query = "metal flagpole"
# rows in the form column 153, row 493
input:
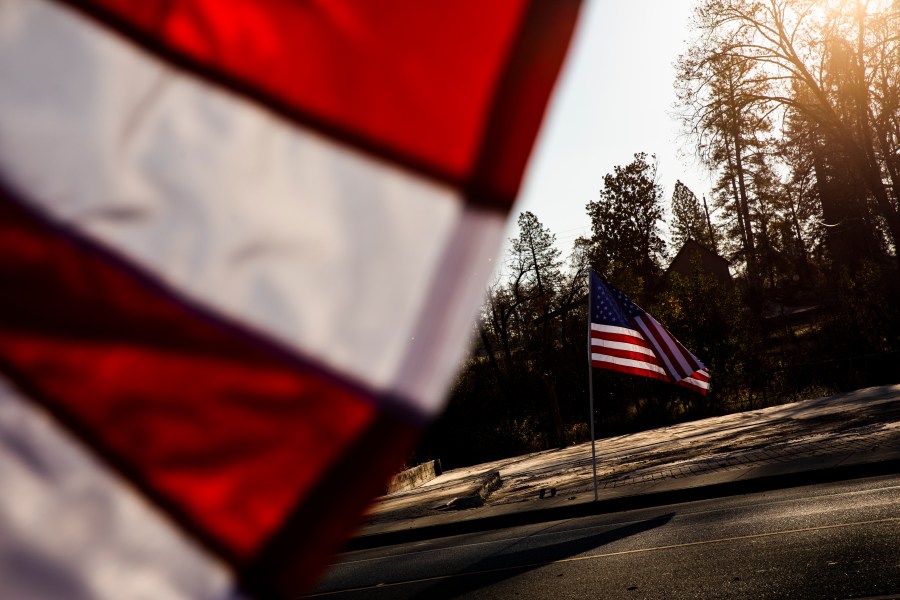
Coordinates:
column 591, row 384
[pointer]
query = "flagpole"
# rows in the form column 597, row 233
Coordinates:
column 591, row 387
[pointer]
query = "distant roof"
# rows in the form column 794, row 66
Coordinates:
column 710, row 262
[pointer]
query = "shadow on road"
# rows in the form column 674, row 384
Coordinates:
column 501, row 566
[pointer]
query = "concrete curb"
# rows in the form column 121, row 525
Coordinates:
column 625, row 502
column 412, row 478
column 475, row 495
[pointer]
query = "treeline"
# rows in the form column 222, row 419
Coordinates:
column 794, row 105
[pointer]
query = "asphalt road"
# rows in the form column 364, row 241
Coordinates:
column 838, row 540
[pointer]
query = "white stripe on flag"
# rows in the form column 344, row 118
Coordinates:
column 669, row 370
column 627, row 362
column 596, row 342
column 696, row 382
column 665, row 346
column 616, row 330
column 265, row 211
column 702, row 374
column 70, row 528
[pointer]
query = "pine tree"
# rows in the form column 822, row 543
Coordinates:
column 626, row 239
column 689, row 220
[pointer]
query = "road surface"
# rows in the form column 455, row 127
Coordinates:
column 839, row 540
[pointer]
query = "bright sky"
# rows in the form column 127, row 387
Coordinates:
column 614, row 98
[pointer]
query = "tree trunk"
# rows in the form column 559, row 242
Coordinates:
column 489, row 350
column 558, row 432
column 752, row 259
column 712, row 234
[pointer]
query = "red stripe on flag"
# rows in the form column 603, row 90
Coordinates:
column 521, row 99
column 453, row 91
column 701, row 376
column 659, row 347
column 669, row 348
column 693, row 387
column 616, row 352
column 218, row 427
column 620, row 337
column 287, row 565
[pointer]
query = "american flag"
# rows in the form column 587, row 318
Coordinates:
column 194, row 198
column 626, row 338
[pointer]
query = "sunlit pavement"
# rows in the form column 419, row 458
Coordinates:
column 837, row 435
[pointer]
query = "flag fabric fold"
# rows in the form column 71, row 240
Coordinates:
column 242, row 243
column 626, row 338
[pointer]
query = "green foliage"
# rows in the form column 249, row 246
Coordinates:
column 625, row 221
column 534, row 253
column 689, row 219
column 865, row 316
column 710, row 319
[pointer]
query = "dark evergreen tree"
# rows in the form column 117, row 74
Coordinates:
column 534, row 252
column 689, row 219
column 627, row 244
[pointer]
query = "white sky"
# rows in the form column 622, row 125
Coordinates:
column 614, row 98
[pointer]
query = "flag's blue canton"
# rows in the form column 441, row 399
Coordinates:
column 609, row 306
